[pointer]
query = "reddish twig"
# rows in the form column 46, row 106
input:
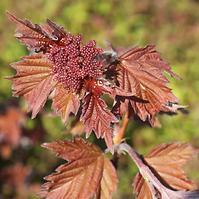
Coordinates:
column 120, row 135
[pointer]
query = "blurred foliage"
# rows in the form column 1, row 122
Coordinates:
column 173, row 26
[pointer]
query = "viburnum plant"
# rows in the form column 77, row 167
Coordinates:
column 76, row 76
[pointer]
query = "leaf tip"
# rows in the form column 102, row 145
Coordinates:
column 10, row 16
column 33, row 116
column 7, row 12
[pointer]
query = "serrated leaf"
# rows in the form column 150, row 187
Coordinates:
column 65, row 102
column 109, row 180
column 87, row 172
column 33, row 81
column 141, row 72
column 141, row 188
column 37, row 37
column 167, row 161
column 98, row 118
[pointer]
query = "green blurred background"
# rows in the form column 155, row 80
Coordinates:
column 172, row 25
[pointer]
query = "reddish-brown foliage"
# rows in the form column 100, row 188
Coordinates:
column 77, row 76
column 63, row 66
column 82, row 73
column 166, row 161
column 65, row 103
column 140, row 71
column 96, row 117
column 87, row 173
column 33, row 81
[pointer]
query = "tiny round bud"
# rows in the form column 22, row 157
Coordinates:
column 74, row 62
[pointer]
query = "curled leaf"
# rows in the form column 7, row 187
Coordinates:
column 87, row 173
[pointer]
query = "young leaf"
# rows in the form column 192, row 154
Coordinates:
column 140, row 71
column 166, row 161
column 96, row 117
column 37, row 37
column 65, row 102
column 87, row 173
column 33, row 81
